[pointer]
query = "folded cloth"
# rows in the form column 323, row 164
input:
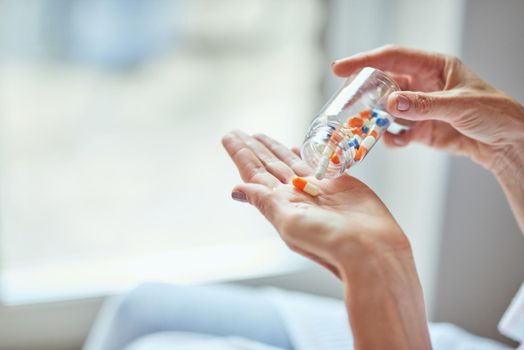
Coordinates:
column 194, row 341
column 512, row 322
column 161, row 316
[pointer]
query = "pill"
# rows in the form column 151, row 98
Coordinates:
column 368, row 142
column 355, row 122
column 365, row 114
column 305, row 186
column 372, row 132
column 365, row 129
column 335, row 159
column 357, row 131
column 382, row 122
column 323, row 163
column 355, row 141
column 365, row 145
column 369, row 123
column 360, row 153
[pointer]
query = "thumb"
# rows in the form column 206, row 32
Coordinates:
column 419, row 106
column 259, row 196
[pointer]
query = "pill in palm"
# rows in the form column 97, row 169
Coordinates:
column 305, row 186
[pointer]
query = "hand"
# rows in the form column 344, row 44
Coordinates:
column 448, row 106
column 347, row 222
column 348, row 230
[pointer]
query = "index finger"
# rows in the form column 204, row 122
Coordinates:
column 390, row 58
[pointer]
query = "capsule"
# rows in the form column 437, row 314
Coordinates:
column 323, row 163
column 335, row 159
column 382, row 122
column 360, row 153
column 366, row 144
column 355, row 122
column 305, row 186
column 365, row 114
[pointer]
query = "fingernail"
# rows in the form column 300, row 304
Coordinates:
column 239, row 196
column 402, row 103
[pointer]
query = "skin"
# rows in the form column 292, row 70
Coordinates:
column 347, row 228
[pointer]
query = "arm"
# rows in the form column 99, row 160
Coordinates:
column 385, row 303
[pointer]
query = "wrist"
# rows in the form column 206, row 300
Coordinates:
column 377, row 265
column 371, row 247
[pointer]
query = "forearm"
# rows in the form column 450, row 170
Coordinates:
column 385, row 303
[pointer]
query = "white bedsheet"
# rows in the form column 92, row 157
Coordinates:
column 312, row 323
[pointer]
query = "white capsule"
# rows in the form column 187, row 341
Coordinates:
column 324, row 161
column 368, row 142
column 311, row 189
column 322, row 167
column 370, row 123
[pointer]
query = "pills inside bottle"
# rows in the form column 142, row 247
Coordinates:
column 350, row 124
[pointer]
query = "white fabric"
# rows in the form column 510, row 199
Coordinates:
column 314, row 322
column 512, row 322
column 191, row 341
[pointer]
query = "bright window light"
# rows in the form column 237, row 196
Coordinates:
column 111, row 114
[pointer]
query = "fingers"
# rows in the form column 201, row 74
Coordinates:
column 395, row 59
column 296, row 150
column 287, row 156
column 249, row 165
column 271, row 162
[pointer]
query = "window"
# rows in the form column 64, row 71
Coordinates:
column 111, row 117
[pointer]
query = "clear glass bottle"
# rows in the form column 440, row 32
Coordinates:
column 350, row 124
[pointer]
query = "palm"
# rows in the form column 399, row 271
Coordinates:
column 345, row 209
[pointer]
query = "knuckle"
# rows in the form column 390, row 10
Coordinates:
column 423, row 103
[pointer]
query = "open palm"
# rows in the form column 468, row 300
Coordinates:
column 332, row 226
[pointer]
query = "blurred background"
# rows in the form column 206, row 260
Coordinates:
column 112, row 172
